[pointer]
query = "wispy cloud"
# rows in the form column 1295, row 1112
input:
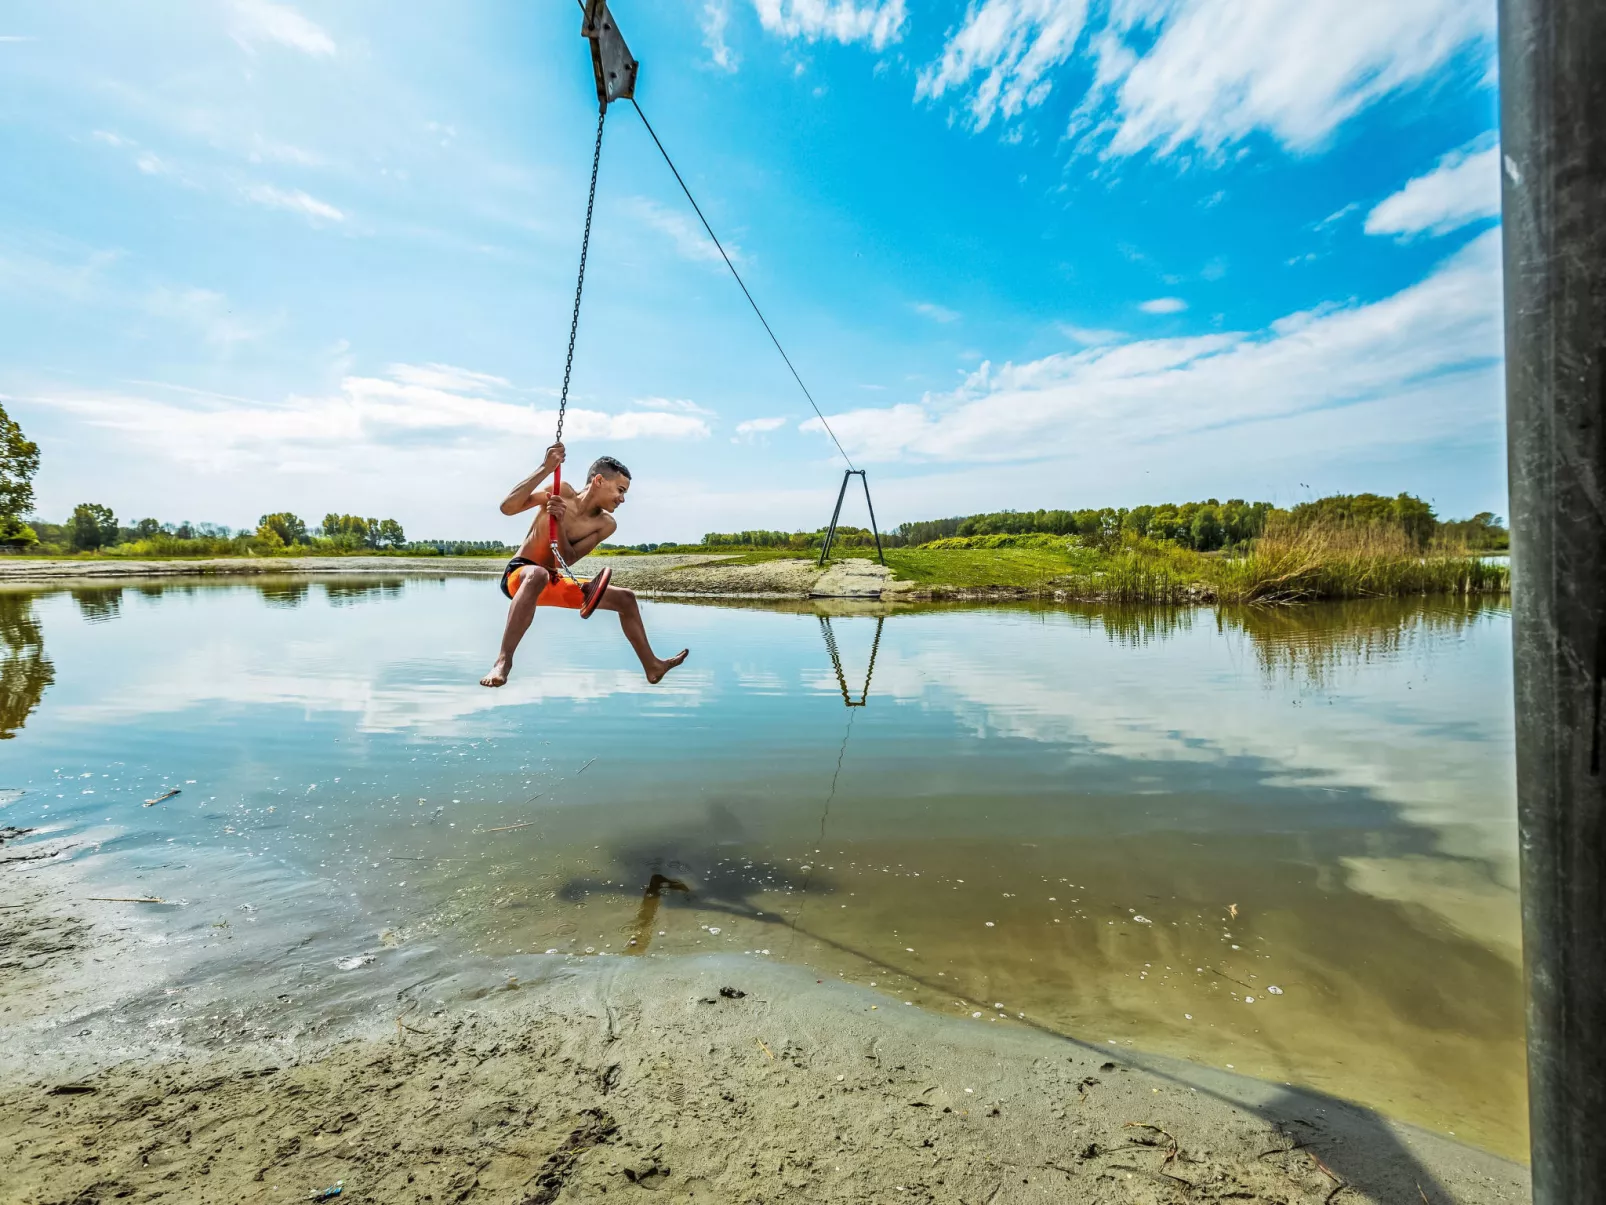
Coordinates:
column 753, row 430
column 207, row 311
column 1337, row 216
column 264, row 150
column 17, row 37
column 294, row 200
column 757, row 426
column 685, row 233
column 673, row 405
column 1090, row 336
column 33, row 276
column 375, row 413
column 1463, row 187
column 1169, row 75
column 257, row 21
column 147, row 162
column 1009, row 48
column 1164, row 305
column 1409, row 361
column 447, row 377
column 874, row 22
column 937, row 313
column 715, row 17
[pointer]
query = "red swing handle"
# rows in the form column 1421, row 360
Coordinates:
column 557, row 492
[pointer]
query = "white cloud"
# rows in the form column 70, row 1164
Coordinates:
column 753, row 428
column 150, row 164
column 111, row 139
column 1173, row 74
column 716, row 16
column 1408, row 361
column 673, row 405
column 410, row 405
column 1464, row 186
column 1221, row 69
column 876, row 22
column 1013, row 46
column 446, row 377
column 1090, row 336
column 258, row 21
column 937, row 313
column 293, row 200
column 1164, row 305
column 1337, row 216
column 690, row 240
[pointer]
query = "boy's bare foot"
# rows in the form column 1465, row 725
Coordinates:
column 656, row 674
column 499, row 672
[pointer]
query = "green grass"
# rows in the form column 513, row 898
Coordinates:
column 983, row 569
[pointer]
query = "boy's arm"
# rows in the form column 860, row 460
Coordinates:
column 584, row 545
column 572, row 550
column 525, row 495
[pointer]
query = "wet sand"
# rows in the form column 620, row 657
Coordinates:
column 715, row 1079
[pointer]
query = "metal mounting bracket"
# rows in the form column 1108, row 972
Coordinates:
column 611, row 60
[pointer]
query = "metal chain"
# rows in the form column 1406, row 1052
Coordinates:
column 579, row 287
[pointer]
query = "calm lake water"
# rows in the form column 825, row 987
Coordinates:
column 1277, row 840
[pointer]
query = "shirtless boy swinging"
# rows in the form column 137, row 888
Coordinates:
column 532, row 580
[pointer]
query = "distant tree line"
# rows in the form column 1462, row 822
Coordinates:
column 345, row 532
column 93, row 527
column 1207, row 526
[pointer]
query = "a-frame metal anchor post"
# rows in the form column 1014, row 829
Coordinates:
column 836, row 515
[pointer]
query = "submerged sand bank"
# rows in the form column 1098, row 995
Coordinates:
column 586, row 1078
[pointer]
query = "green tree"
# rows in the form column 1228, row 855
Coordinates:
column 1406, row 511
column 287, row 527
column 1206, row 529
column 92, row 526
column 1484, row 532
column 349, row 531
column 144, row 529
column 19, row 461
column 389, row 534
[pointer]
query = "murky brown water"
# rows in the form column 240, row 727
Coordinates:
column 1281, row 841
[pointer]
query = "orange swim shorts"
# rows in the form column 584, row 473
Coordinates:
column 560, row 591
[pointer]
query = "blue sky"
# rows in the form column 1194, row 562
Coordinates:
column 260, row 255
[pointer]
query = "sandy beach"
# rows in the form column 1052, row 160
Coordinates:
column 540, row 1079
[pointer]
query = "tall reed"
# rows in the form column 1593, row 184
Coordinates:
column 1295, row 563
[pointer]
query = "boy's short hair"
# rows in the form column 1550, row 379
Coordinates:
column 608, row 467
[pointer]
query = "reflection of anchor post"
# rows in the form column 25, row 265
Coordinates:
column 836, row 661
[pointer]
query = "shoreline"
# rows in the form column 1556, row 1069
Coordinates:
column 714, row 1078
column 653, row 575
